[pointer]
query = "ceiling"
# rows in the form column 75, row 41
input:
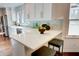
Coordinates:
column 4, row 5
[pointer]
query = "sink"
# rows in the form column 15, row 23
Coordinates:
column 27, row 30
column 19, row 30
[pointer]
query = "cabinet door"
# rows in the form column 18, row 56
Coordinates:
column 38, row 10
column 12, row 31
column 32, row 11
column 47, row 11
column 26, row 11
column 23, row 16
column 18, row 48
column 74, row 13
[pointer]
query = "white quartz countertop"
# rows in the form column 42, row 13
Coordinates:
column 33, row 39
column 14, row 26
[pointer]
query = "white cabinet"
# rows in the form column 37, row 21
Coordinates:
column 35, row 11
column 47, row 11
column 43, row 11
column 19, row 11
column 12, row 31
column 9, row 16
column 22, row 21
column 26, row 11
column 29, row 11
column 18, row 48
column 39, row 11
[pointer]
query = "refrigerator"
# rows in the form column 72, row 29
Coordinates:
column 5, row 25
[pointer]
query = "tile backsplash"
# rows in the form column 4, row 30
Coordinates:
column 55, row 24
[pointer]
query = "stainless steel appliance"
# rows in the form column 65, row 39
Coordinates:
column 5, row 24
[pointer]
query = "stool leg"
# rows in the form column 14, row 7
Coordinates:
column 59, row 50
column 62, row 49
column 53, row 47
column 2, row 37
column 48, row 45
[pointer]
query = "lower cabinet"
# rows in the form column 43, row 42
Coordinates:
column 18, row 48
column 71, row 45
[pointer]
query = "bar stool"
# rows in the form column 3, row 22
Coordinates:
column 56, row 43
column 44, row 51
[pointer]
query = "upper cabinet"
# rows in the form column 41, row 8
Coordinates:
column 31, row 11
column 74, row 11
column 47, row 11
column 38, row 10
column 42, row 11
column 35, row 11
column 60, row 10
column 26, row 11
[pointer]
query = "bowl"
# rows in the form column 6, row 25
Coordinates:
column 41, row 31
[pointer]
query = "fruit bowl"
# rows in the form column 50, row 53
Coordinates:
column 46, row 26
column 41, row 30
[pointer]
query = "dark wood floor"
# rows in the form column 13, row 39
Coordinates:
column 6, row 48
column 67, row 54
column 71, row 53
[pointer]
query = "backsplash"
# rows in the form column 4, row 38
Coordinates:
column 55, row 24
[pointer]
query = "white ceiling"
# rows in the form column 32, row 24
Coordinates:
column 3, row 5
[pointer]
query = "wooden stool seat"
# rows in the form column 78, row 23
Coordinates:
column 44, row 51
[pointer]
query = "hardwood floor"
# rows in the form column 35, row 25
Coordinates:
column 68, row 54
column 71, row 53
column 5, row 46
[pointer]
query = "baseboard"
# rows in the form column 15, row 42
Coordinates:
column 71, row 50
column 71, row 53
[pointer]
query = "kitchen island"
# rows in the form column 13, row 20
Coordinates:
column 31, row 39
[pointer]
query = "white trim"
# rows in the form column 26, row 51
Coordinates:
column 72, row 37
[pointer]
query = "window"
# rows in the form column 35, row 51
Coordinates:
column 74, row 20
column 73, row 27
